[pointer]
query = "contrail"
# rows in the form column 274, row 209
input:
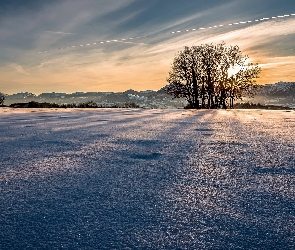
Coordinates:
column 131, row 39
column 236, row 23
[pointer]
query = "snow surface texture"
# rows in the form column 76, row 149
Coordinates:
column 147, row 179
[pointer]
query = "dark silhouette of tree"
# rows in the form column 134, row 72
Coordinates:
column 183, row 78
column 210, row 76
column 2, row 99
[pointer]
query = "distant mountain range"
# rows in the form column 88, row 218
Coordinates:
column 280, row 94
column 146, row 99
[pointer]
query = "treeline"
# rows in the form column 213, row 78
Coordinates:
column 249, row 105
column 90, row 104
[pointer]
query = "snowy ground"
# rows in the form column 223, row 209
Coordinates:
column 147, row 179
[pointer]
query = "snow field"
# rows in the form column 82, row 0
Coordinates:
column 147, row 179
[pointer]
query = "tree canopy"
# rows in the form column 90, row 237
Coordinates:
column 212, row 76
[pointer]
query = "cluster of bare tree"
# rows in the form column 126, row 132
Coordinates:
column 212, row 76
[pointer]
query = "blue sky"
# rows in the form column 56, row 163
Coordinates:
column 108, row 45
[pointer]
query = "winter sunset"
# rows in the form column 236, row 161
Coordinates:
column 137, row 124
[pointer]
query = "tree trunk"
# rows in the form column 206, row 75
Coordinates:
column 195, row 90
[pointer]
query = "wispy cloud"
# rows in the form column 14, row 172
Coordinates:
column 35, row 29
column 42, row 64
column 60, row 32
column 256, row 40
column 275, row 64
column 18, row 68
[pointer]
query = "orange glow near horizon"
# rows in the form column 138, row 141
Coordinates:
column 121, row 78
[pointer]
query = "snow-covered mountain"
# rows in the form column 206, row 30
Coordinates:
column 278, row 89
column 147, row 98
column 281, row 94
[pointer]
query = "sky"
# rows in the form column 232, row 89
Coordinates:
column 110, row 45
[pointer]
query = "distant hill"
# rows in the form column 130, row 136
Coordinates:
column 144, row 99
column 279, row 94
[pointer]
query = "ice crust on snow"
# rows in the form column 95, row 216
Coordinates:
column 147, row 179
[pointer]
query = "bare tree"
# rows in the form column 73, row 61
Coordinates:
column 205, row 73
column 183, row 77
column 2, row 99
